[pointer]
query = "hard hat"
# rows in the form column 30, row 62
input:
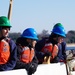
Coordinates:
column 4, row 22
column 30, row 33
column 58, row 25
column 59, row 29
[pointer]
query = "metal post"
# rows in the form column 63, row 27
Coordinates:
column 10, row 9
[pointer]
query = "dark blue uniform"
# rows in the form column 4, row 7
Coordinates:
column 61, row 57
column 31, row 66
column 62, row 52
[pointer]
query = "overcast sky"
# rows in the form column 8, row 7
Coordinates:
column 40, row 14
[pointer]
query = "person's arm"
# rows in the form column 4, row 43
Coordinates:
column 64, row 50
column 38, row 47
column 33, row 66
column 35, row 61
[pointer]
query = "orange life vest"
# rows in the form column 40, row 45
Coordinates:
column 50, row 48
column 4, row 51
column 27, row 54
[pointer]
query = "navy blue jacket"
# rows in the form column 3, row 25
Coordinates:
column 13, row 55
column 22, row 65
column 61, row 54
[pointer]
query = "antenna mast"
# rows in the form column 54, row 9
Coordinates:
column 10, row 9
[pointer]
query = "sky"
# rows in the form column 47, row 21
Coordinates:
column 40, row 14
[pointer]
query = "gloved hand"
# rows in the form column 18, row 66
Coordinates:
column 32, row 69
column 64, row 61
column 55, row 60
column 47, row 54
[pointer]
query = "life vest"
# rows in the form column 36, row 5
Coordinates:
column 27, row 54
column 4, row 51
column 50, row 48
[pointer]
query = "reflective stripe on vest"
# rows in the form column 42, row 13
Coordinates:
column 4, row 52
column 27, row 55
column 55, row 51
column 50, row 48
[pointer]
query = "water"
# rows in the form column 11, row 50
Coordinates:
column 70, row 48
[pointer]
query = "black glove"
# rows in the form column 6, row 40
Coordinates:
column 47, row 54
column 55, row 60
column 32, row 69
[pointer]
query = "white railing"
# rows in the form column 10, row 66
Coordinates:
column 44, row 69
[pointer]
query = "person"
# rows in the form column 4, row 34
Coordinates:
column 53, row 46
column 26, row 51
column 8, row 49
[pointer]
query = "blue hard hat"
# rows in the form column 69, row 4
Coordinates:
column 30, row 33
column 59, row 30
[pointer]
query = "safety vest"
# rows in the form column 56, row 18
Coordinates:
column 50, row 48
column 4, row 51
column 27, row 54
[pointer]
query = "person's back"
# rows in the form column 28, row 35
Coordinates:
column 8, row 51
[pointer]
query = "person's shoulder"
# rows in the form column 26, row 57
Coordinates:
column 40, row 43
column 19, row 40
column 64, row 43
column 42, row 40
column 10, row 41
